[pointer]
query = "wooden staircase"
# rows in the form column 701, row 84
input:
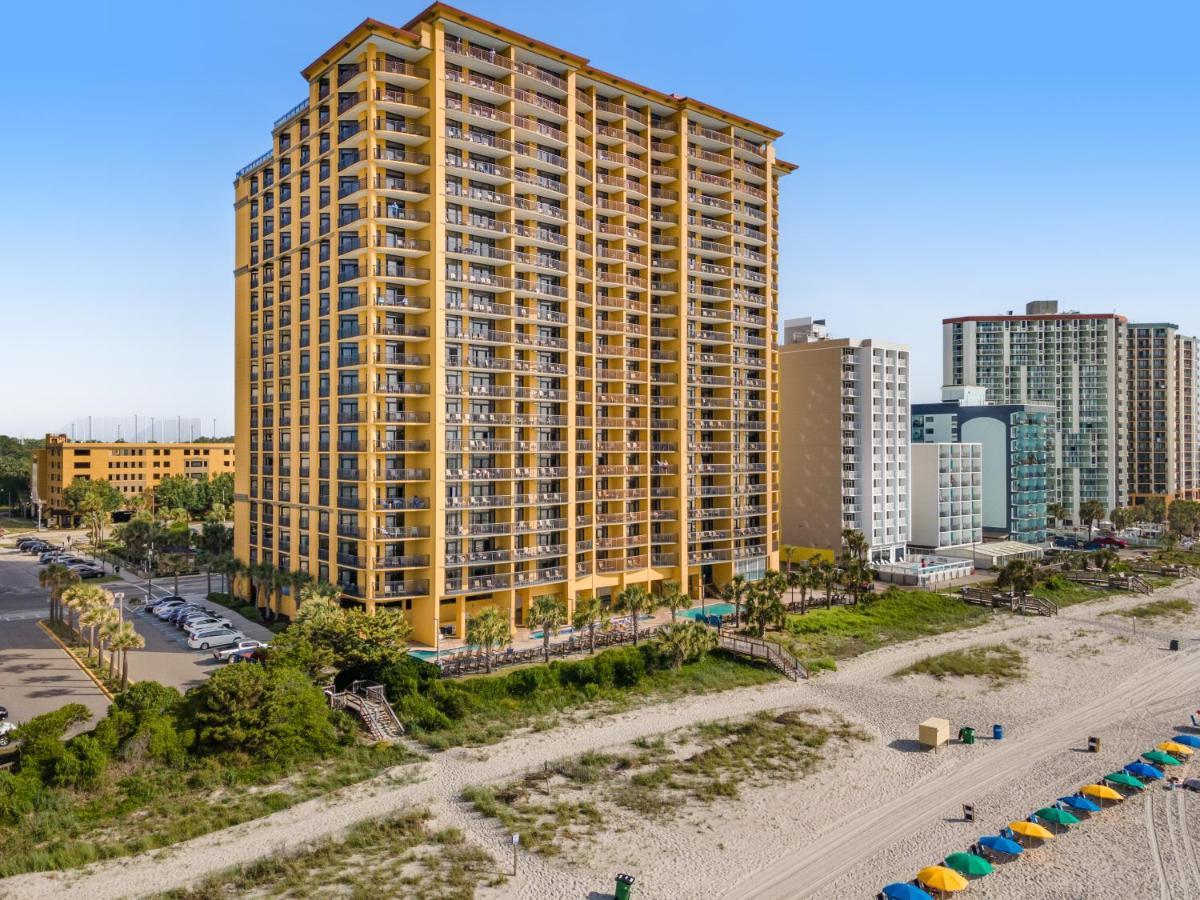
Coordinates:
column 1025, row 604
column 773, row 654
column 369, row 701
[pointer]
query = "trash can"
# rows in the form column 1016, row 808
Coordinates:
column 624, row 886
column 997, row 732
column 1093, row 745
column 1174, row 644
column 966, row 735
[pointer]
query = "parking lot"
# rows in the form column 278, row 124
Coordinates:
column 30, row 662
column 36, row 676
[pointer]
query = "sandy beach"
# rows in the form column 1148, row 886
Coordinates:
column 874, row 812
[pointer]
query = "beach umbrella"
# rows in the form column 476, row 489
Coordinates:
column 904, row 891
column 941, row 879
column 1157, row 756
column 1100, row 792
column 1001, row 845
column 1031, row 829
column 1175, row 748
column 969, row 864
column 1124, row 779
column 1143, row 770
column 1188, row 740
column 1075, row 801
column 1057, row 816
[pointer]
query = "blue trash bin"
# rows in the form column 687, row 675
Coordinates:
column 998, row 732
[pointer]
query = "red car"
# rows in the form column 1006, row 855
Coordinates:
column 1113, row 542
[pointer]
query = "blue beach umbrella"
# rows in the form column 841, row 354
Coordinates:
column 903, row 891
column 1188, row 740
column 1143, row 770
column 1001, row 844
column 1076, row 801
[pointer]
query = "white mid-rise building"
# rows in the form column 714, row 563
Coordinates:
column 947, row 495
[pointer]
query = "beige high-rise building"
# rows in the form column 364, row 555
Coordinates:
column 853, row 475
column 504, row 329
column 1161, row 412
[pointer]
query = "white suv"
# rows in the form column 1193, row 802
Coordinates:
column 220, row 637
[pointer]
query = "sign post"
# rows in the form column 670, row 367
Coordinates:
column 516, row 840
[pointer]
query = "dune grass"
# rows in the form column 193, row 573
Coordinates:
column 400, row 856
column 1068, row 593
column 824, row 635
column 140, row 812
column 998, row 663
column 557, row 808
column 1155, row 609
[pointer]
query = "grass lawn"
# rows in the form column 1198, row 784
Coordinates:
column 1179, row 557
column 1155, row 609
column 1069, row 593
column 401, row 856
column 12, row 525
column 995, row 662
column 160, row 807
column 490, row 707
column 557, row 808
column 822, row 636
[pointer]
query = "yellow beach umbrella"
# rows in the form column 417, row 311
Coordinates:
column 1175, row 749
column 1031, row 829
column 941, row 878
column 1101, row 791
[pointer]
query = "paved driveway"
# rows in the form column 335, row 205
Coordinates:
column 36, row 676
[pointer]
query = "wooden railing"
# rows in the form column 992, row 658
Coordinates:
column 475, row 661
column 771, row 653
column 369, row 701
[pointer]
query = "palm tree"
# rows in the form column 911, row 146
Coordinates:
column 734, row 592
column 685, row 640
column 589, row 614
column 98, row 617
column 108, row 633
column 1090, row 511
column 635, row 600
column 829, row 574
column 79, row 598
column 174, row 564
column 1105, row 558
column 788, row 553
column 264, row 578
column 57, row 578
column 1019, row 574
column 763, row 606
column 124, row 639
column 673, row 598
column 488, row 630
column 855, row 544
column 550, row 614
column 1057, row 512
column 319, row 592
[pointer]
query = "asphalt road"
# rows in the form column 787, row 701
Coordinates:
column 36, row 676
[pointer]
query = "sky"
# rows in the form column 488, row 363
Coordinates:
column 955, row 158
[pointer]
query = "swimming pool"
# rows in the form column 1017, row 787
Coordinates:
column 561, row 632
column 432, row 655
column 712, row 609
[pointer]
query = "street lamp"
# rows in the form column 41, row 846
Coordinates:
column 149, row 573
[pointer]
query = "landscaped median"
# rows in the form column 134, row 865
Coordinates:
column 79, row 651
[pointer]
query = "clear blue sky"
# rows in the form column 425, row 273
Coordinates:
column 955, row 158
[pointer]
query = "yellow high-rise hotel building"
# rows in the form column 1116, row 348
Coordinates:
column 505, row 328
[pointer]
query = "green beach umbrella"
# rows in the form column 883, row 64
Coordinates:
column 1163, row 759
column 969, row 864
column 1057, row 816
column 1124, row 778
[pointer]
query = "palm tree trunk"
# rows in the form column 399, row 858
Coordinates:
column 124, row 670
column 208, row 585
column 177, row 579
column 592, row 637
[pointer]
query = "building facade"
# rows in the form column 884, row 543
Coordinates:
column 1073, row 361
column 504, row 329
column 132, row 468
column 1161, row 390
column 947, row 495
column 1018, row 450
column 854, row 476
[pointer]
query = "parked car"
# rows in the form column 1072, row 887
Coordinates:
column 85, row 570
column 6, row 730
column 207, row 623
column 244, row 646
column 38, row 547
column 156, row 602
column 165, row 609
column 1110, row 541
column 3, row 713
column 188, row 611
column 1071, row 543
column 257, row 655
column 222, row 637
column 1093, row 545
